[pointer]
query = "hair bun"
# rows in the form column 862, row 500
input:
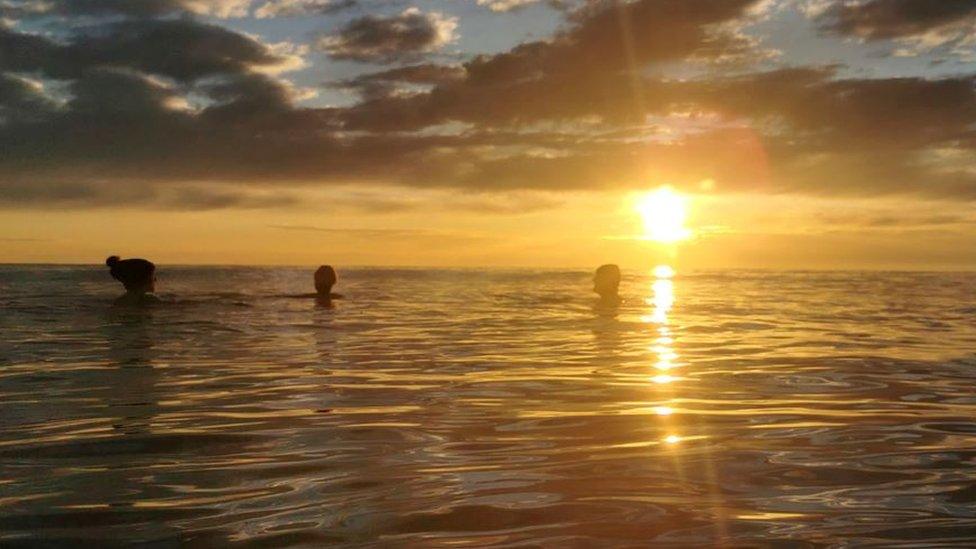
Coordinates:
column 112, row 260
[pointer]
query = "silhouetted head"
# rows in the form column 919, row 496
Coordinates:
column 137, row 275
column 325, row 279
column 606, row 281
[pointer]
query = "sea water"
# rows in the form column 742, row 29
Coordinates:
column 492, row 408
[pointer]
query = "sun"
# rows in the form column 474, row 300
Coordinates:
column 663, row 213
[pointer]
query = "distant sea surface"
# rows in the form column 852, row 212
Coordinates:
column 500, row 408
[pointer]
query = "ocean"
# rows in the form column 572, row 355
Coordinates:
column 488, row 408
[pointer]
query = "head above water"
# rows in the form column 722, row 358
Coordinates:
column 606, row 281
column 137, row 275
column 325, row 279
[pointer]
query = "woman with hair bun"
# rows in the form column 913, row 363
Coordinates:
column 138, row 276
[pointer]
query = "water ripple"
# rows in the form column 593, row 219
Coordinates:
column 491, row 409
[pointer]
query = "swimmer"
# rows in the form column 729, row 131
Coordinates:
column 606, row 283
column 138, row 276
column 325, row 278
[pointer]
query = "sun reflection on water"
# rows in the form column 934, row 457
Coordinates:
column 665, row 361
column 663, row 271
column 662, row 301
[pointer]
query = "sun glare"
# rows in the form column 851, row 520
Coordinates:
column 663, row 213
column 663, row 271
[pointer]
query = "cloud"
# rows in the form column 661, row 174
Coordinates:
column 884, row 19
column 126, row 8
column 297, row 8
column 353, row 232
column 183, row 197
column 219, row 8
column 505, row 5
column 387, row 234
column 502, row 6
column 94, row 8
column 894, row 220
column 393, row 81
column 202, row 50
column 591, row 64
column 165, row 112
column 23, row 100
column 921, row 25
column 110, row 92
column 401, row 37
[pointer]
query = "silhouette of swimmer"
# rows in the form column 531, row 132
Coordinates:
column 325, row 279
column 606, row 283
column 138, row 276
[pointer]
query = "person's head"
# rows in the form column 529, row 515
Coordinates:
column 606, row 281
column 137, row 275
column 325, row 279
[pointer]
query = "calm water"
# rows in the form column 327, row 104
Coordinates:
column 499, row 408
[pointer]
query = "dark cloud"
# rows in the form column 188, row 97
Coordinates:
column 592, row 64
column 200, row 198
column 505, row 204
column 108, row 92
column 137, row 8
column 182, row 49
column 147, row 196
column 405, row 36
column 895, row 220
column 386, row 83
column 24, row 52
column 847, row 113
column 203, row 49
column 119, row 8
column 886, row 19
column 146, row 99
column 388, row 234
column 352, row 232
column 513, row 5
column 14, row 9
column 23, row 101
column 296, row 8
column 151, row 108
column 246, row 97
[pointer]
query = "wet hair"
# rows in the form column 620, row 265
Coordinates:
column 325, row 279
column 134, row 274
column 606, row 280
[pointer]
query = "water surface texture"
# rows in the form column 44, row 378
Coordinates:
column 436, row 408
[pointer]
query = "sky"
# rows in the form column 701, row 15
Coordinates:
column 790, row 134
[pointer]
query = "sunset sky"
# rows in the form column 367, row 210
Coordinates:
column 823, row 134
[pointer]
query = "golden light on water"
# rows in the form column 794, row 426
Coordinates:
column 663, row 271
column 662, row 301
column 663, row 213
column 664, row 352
